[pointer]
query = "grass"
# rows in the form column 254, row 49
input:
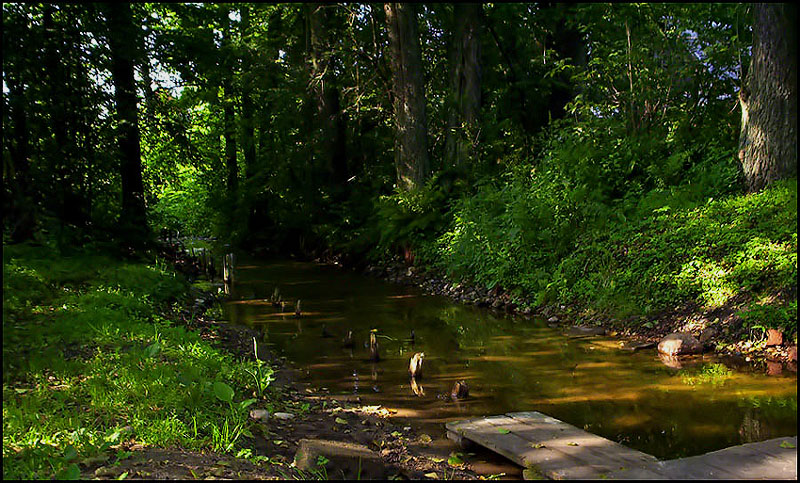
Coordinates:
column 91, row 360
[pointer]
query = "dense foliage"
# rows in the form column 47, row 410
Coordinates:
column 90, row 360
column 272, row 127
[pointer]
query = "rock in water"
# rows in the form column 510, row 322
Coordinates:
column 348, row 340
column 460, row 390
column 679, row 344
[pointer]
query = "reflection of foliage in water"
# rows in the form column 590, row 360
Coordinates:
column 714, row 374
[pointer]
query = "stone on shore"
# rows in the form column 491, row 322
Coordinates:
column 346, row 461
column 679, row 344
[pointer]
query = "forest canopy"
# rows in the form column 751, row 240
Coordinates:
column 489, row 140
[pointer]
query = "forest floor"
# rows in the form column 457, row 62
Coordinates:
column 407, row 449
column 106, row 376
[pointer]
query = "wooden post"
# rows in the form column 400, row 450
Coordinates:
column 373, row 347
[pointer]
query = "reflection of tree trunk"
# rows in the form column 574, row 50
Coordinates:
column 750, row 429
column 465, row 78
column 768, row 137
column 411, row 145
column 120, row 32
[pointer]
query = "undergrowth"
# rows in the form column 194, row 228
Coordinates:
column 90, row 360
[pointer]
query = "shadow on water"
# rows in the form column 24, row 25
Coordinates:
column 510, row 364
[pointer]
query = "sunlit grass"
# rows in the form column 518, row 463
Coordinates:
column 89, row 361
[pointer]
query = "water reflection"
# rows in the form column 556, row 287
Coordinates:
column 668, row 409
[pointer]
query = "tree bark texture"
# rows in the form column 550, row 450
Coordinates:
column 465, row 83
column 122, row 39
column 411, row 145
column 768, row 137
column 331, row 128
column 248, row 108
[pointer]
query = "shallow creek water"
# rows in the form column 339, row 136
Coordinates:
column 509, row 363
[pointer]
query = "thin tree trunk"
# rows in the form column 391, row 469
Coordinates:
column 768, row 137
column 465, row 83
column 248, row 127
column 121, row 33
column 411, row 145
column 325, row 90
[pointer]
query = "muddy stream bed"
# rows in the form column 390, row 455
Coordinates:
column 509, row 364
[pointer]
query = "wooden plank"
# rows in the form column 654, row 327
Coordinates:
column 748, row 461
column 550, row 448
column 548, row 453
column 764, row 460
column 547, row 462
column 591, row 448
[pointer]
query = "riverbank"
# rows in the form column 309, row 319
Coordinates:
column 121, row 369
column 724, row 270
column 721, row 329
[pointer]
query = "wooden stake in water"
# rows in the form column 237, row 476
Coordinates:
column 297, row 309
column 373, row 346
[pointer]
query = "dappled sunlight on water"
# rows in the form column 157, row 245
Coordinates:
column 668, row 409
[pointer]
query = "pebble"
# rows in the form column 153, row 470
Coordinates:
column 257, row 414
column 283, row 416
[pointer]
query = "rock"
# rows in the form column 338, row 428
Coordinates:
column 578, row 331
column 774, row 337
column 708, row 334
column 634, row 346
column 283, row 416
column 259, row 414
column 552, row 320
column 346, row 461
column 791, row 353
column 679, row 343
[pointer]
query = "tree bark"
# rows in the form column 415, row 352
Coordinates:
column 248, row 126
column 465, row 83
column 331, row 123
column 411, row 144
column 768, row 137
column 121, row 35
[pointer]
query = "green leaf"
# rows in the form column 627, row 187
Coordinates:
column 455, row 459
column 223, row 391
column 247, row 402
column 341, row 421
column 71, row 472
column 152, row 350
column 503, row 431
column 70, row 453
column 786, row 444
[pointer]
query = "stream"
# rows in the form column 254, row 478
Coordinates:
column 509, row 363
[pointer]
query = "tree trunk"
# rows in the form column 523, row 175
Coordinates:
column 121, row 35
column 331, row 123
column 768, row 137
column 411, row 144
column 248, row 126
column 465, row 83
column 229, row 121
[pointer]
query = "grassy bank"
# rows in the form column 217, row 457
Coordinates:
column 93, row 362
column 665, row 252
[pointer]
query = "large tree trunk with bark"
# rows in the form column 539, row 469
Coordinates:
column 411, row 144
column 465, row 84
column 121, row 35
column 768, row 138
